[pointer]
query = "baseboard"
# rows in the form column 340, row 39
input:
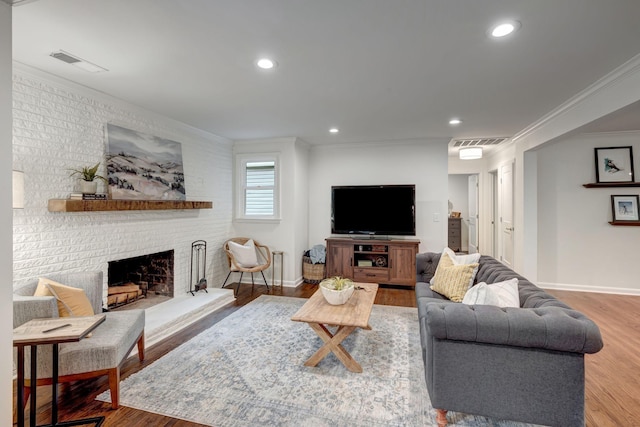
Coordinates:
column 585, row 288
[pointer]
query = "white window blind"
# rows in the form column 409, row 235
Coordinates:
column 260, row 181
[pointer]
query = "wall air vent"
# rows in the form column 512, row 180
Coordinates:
column 478, row 142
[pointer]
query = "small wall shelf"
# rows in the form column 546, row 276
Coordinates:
column 68, row 205
column 628, row 223
column 611, row 184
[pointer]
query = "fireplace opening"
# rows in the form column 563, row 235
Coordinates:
column 141, row 281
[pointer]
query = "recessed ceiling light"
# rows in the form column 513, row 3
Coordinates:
column 266, row 63
column 455, row 121
column 334, row 130
column 504, row 29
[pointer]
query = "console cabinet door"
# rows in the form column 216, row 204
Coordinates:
column 340, row 260
column 402, row 269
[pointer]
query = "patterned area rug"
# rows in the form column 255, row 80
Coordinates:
column 248, row 370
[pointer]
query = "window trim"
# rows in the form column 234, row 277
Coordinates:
column 240, row 187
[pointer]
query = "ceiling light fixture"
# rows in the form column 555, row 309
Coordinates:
column 334, row 130
column 504, row 29
column 266, row 63
column 455, row 122
column 471, row 153
column 78, row 62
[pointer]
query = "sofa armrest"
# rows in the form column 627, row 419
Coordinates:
column 26, row 308
column 550, row 328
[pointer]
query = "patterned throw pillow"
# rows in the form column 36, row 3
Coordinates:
column 453, row 280
column 72, row 302
column 459, row 260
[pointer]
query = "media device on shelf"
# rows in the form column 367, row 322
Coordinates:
column 374, row 210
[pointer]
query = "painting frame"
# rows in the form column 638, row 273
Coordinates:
column 614, row 164
column 624, row 207
column 141, row 166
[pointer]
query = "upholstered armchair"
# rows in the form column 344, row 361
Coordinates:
column 103, row 353
column 246, row 256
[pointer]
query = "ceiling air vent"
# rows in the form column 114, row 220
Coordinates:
column 479, row 142
column 65, row 57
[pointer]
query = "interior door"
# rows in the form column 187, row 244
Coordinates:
column 506, row 214
column 473, row 214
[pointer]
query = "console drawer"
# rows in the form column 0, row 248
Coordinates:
column 373, row 275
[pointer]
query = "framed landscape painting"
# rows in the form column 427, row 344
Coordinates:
column 143, row 167
column 614, row 164
column 625, row 208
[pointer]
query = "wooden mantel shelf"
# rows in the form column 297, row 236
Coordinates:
column 629, row 223
column 68, row 205
column 611, row 184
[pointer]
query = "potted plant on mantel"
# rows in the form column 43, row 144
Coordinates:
column 88, row 175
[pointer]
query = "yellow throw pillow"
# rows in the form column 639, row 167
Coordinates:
column 72, row 302
column 452, row 280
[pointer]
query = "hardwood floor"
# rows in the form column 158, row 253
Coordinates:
column 612, row 390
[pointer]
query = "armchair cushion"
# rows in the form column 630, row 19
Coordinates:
column 244, row 255
column 71, row 301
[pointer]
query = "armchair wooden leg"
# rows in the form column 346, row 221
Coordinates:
column 114, row 387
column 441, row 417
column 141, row 347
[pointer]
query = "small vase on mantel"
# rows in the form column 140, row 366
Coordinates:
column 88, row 187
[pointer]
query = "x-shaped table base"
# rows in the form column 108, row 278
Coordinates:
column 332, row 343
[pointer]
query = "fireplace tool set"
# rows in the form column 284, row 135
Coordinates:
column 198, row 267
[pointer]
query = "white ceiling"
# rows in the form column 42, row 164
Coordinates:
column 376, row 69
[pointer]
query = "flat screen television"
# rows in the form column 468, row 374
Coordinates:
column 387, row 210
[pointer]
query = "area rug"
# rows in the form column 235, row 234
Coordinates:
column 248, row 370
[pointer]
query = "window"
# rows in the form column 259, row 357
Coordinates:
column 258, row 187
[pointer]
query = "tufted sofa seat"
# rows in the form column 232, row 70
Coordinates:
column 523, row 364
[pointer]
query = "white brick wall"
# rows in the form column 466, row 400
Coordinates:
column 58, row 125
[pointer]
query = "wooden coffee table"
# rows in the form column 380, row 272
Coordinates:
column 319, row 314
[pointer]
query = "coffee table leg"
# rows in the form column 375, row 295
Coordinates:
column 332, row 344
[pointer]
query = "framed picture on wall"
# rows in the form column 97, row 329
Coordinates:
column 614, row 164
column 625, row 208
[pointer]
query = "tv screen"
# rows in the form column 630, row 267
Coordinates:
column 373, row 210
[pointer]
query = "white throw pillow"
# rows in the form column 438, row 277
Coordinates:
column 502, row 294
column 460, row 260
column 244, row 255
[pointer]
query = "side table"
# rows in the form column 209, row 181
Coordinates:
column 275, row 255
column 53, row 331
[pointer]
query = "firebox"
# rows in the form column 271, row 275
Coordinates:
column 142, row 277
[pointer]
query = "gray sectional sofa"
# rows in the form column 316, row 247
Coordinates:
column 523, row 364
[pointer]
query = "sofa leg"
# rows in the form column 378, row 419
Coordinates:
column 114, row 387
column 141, row 347
column 441, row 417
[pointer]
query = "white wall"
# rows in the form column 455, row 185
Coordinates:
column 58, row 125
column 288, row 234
column 577, row 248
column 6, row 305
column 459, row 197
column 419, row 162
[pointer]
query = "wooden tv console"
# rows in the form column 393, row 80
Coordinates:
column 373, row 261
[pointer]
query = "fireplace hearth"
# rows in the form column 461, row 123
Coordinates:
column 134, row 279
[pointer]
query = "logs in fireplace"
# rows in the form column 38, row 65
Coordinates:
column 143, row 276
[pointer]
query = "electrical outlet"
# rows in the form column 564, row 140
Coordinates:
column 436, row 217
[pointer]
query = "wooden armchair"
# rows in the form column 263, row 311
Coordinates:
column 101, row 354
column 262, row 261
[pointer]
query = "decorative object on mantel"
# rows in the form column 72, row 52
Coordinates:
column 67, row 205
column 143, row 167
column 88, row 175
column 624, row 208
column 337, row 290
column 198, row 267
column 614, row 164
column 84, row 196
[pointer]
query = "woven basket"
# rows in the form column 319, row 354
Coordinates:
column 312, row 273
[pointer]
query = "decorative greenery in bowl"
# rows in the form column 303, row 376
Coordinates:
column 337, row 290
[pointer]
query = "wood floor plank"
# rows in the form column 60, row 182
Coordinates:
column 612, row 393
